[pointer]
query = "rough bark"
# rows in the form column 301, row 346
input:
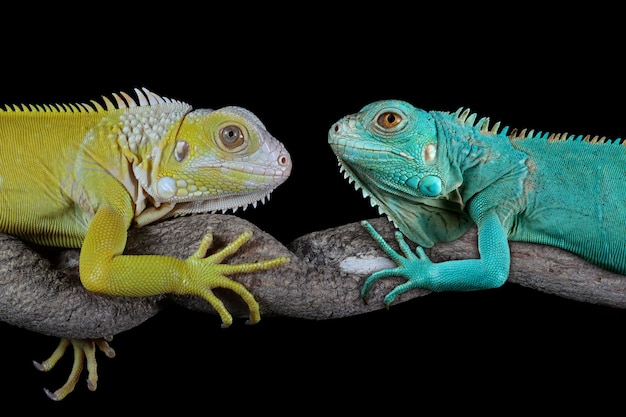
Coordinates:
column 40, row 289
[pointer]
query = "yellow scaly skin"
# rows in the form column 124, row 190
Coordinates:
column 80, row 175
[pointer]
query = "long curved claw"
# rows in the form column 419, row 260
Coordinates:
column 84, row 349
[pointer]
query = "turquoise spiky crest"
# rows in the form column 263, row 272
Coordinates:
column 467, row 118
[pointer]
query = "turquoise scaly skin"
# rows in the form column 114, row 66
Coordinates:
column 434, row 174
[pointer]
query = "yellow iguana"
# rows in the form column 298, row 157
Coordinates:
column 80, row 175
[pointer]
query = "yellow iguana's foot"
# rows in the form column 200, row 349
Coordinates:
column 83, row 349
column 208, row 273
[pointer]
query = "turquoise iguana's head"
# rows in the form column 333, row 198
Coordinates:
column 391, row 151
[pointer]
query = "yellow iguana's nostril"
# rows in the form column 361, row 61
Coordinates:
column 283, row 160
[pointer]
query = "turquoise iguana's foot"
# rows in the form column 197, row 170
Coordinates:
column 415, row 267
column 84, row 349
column 209, row 273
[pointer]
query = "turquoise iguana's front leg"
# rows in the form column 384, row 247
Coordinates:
column 490, row 271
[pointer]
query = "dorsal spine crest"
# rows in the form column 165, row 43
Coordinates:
column 122, row 101
column 466, row 118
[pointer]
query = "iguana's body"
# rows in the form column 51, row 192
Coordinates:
column 434, row 174
column 80, row 175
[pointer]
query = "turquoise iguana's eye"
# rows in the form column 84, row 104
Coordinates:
column 430, row 185
column 388, row 120
column 232, row 136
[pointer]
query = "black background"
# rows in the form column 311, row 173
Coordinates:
column 300, row 69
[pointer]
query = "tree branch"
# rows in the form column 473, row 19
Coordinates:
column 40, row 289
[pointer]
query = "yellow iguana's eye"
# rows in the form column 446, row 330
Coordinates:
column 388, row 120
column 232, row 136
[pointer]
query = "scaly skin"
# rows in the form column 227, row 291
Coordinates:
column 434, row 174
column 80, row 175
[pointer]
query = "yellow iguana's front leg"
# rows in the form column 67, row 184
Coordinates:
column 206, row 274
column 84, row 349
column 104, row 270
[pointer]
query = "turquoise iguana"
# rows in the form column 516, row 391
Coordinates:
column 435, row 174
column 80, row 175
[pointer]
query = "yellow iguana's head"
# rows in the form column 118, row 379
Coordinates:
column 218, row 160
column 191, row 161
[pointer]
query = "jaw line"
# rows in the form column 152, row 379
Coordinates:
column 224, row 203
column 451, row 201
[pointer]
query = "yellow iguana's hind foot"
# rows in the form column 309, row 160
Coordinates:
column 83, row 349
column 208, row 273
